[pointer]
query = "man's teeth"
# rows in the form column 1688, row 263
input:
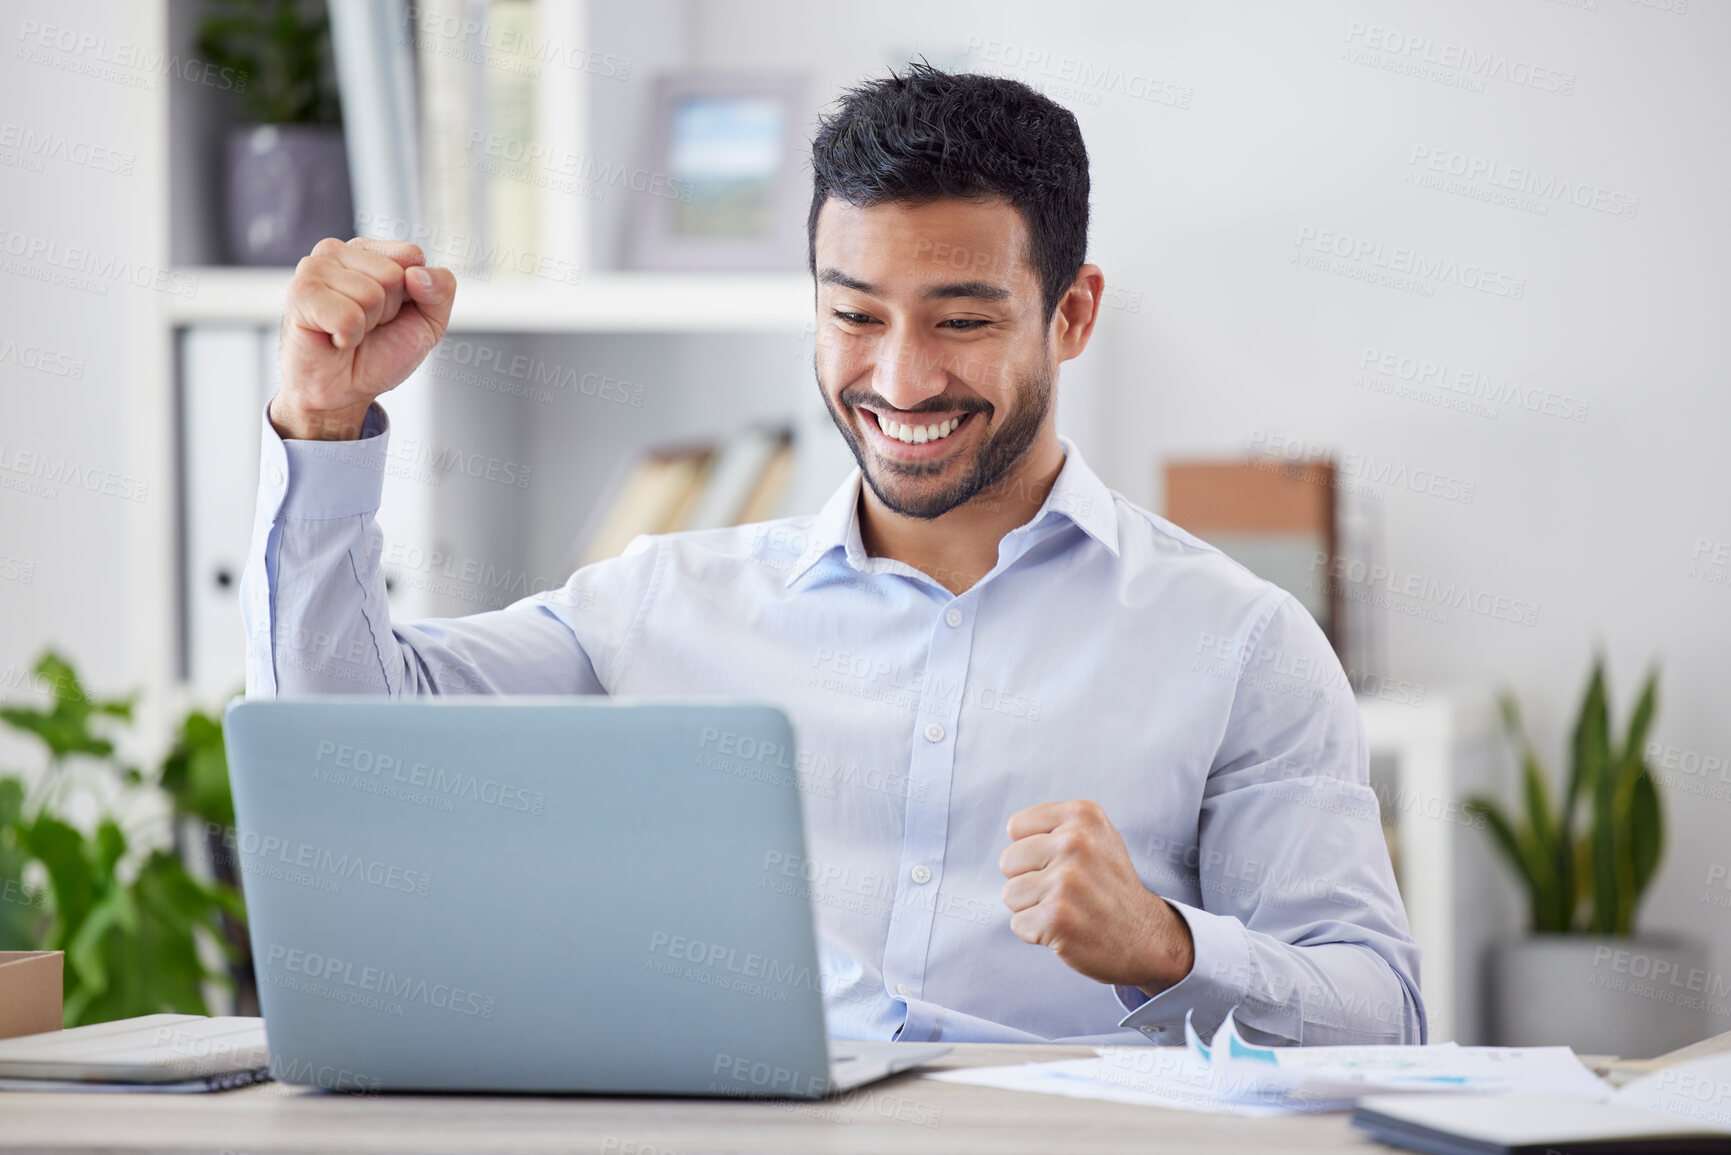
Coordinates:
column 917, row 434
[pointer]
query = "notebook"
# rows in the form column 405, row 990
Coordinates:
column 151, row 1052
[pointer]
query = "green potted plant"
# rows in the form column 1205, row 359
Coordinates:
column 1582, row 976
column 131, row 923
column 288, row 176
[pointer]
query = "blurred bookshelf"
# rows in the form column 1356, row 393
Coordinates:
column 566, row 380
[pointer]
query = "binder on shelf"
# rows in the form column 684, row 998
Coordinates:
column 451, row 107
column 465, row 130
column 692, row 486
column 769, row 496
column 735, row 479
column 225, row 380
column 376, row 77
column 649, row 495
column 511, row 160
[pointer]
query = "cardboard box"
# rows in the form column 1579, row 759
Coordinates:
column 30, row 991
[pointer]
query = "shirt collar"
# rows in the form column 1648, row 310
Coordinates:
column 1078, row 494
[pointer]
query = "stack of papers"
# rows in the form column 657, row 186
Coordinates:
column 1681, row 1108
column 1233, row 1077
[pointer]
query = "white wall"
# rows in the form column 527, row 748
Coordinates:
column 85, row 551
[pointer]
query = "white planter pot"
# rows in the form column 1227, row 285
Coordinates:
column 1634, row 997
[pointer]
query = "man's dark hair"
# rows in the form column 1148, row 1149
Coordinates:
column 926, row 134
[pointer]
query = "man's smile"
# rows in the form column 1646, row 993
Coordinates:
column 915, row 437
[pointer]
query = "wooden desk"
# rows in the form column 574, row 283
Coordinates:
column 906, row 1115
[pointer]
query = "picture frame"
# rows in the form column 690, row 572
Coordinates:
column 731, row 149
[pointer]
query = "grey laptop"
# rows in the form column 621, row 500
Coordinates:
column 533, row 895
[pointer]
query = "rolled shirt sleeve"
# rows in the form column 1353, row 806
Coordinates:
column 1301, row 927
column 315, row 606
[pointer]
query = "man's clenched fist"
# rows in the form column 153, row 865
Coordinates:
column 1073, row 889
column 359, row 317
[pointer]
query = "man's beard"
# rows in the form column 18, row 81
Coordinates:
column 995, row 457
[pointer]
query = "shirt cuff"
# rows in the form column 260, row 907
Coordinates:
column 1216, row 982
column 334, row 479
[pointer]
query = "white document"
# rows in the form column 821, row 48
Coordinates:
column 1231, row 1076
column 1697, row 1091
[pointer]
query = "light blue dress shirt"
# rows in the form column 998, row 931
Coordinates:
column 1108, row 655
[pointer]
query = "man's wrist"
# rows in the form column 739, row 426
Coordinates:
column 1174, row 951
column 293, row 423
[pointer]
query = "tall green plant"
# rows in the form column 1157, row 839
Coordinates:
column 1588, row 882
column 130, row 935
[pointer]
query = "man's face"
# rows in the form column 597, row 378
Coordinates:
column 932, row 349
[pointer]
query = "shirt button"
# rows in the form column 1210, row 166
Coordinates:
column 921, row 874
column 275, row 475
column 934, row 733
column 953, row 616
column 902, row 990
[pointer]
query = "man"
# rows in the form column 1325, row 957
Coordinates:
column 1069, row 773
